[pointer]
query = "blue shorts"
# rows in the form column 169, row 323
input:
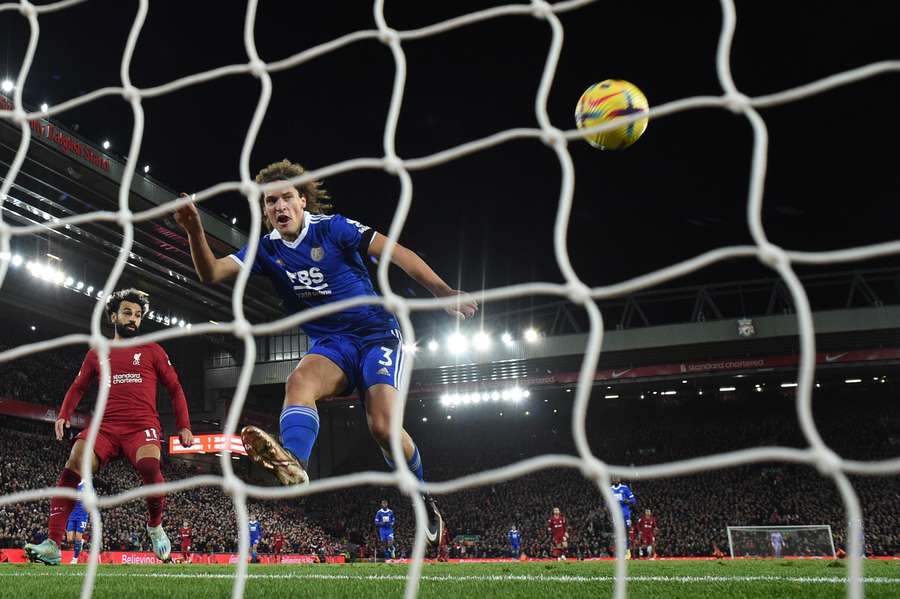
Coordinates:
column 254, row 541
column 366, row 360
column 385, row 534
column 77, row 523
column 626, row 514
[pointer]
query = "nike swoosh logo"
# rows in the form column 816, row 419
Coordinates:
column 835, row 357
column 617, row 373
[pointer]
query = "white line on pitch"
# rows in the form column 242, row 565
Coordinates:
column 476, row 577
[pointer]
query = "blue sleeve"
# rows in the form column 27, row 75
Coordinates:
column 377, row 520
column 392, row 517
column 631, row 498
column 240, row 255
column 346, row 233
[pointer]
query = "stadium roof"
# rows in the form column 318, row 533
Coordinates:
column 64, row 175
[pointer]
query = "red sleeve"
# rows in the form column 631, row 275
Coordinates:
column 89, row 369
column 169, row 378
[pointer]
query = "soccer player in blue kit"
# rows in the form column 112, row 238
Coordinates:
column 255, row 535
column 384, row 522
column 625, row 497
column 312, row 259
column 76, row 525
column 515, row 542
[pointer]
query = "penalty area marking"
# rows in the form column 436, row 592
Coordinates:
column 474, row 577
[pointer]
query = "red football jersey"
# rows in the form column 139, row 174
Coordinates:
column 557, row 526
column 134, row 372
column 647, row 525
column 185, row 533
column 279, row 542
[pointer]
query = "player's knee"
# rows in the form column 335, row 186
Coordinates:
column 149, row 469
column 299, row 390
column 381, row 431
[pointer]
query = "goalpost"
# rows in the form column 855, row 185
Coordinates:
column 779, row 259
column 813, row 540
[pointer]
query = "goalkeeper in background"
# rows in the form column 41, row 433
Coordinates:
column 314, row 259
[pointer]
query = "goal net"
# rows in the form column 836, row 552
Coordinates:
column 781, row 541
column 781, row 260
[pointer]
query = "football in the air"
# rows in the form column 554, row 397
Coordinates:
column 609, row 100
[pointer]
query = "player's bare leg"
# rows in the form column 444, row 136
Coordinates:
column 380, row 401
column 315, row 377
column 47, row 552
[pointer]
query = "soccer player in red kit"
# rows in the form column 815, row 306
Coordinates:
column 185, row 533
column 556, row 526
column 278, row 545
column 130, row 425
column 647, row 526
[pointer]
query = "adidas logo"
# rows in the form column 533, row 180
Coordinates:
column 383, row 371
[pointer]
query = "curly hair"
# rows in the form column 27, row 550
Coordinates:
column 135, row 296
column 316, row 195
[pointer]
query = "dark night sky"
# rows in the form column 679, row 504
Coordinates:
column 488, row 217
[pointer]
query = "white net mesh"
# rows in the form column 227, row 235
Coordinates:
column 817, row 454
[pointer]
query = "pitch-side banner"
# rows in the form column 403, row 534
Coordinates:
column 209, row 444
column 17, row 556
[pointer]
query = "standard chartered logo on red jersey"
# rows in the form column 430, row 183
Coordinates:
column 130, row 377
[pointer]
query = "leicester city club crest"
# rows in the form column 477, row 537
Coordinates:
column 317, row 253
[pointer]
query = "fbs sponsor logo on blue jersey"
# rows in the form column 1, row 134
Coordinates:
column 309, row 283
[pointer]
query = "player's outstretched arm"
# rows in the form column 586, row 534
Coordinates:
column 209, row 268
column 419, row 270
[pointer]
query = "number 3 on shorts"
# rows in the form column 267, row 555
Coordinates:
column 151, row 434
column 386, row 361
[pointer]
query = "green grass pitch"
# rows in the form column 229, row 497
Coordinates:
column 660, row 579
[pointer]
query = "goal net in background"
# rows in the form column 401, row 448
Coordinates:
column 593, row 467
column 796, row 541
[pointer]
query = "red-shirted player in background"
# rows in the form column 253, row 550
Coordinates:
column 646, row 524
column 556, row 526
column 185, row 533
column 130, row 424
column 278, row 545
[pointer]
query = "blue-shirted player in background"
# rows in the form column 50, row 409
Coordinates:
column 625, row 497
column 313, row 259
column 76, row 525
column 515, row 541
column 384, row 522
column 255, row 535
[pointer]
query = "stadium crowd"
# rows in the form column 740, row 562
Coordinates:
column 207, row 510
column 693, row 511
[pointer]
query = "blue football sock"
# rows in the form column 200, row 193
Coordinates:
column 299, row 429
column 414, row 463
column 77, row 546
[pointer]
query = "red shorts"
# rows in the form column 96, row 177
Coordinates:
column 113, row 442
column 559, row 541
column 648, row 540
column 278, row 548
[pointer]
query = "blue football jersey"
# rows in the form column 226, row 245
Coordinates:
column 384, row 518
column 321, row 266
column 255, row 529
column 514, row 537
column 623, row 494
column 78, row 512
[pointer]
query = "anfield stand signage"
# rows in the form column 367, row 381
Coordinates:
column 64, row 142
column 33, row 411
